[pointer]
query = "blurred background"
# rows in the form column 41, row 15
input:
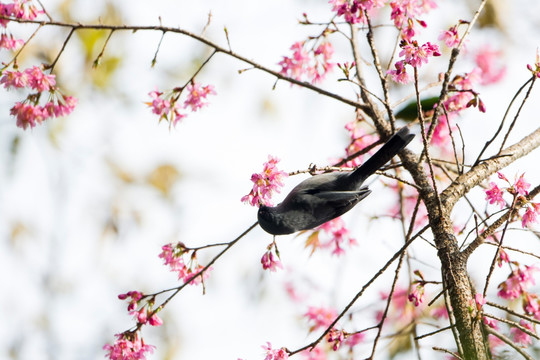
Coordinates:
column 87, row 201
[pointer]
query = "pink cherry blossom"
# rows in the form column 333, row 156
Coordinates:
column 399, row 74
column 354, row 339
column 316, row 354
column 522, row 186
column 450, row 37
column 313, row 64
column 440, row 312
column 14, row 79
column 155, row 320
column 135, row 297
column 8, row 42
column 128, row 346
column 38, row 80
column 335, row 337
column 531, row 215
column 268, row 261
column 405, row 15
column 320, row 317
column 464, row 95
column 479, row 301
column 353, row 11
column 21, row 9
column 274, row 354
column 159, row 105
column 503, row 258
column 492, row 67
column 188, row 270
column 417, row 295
column 520, row 336
column 494, row 195
column 267, row 182
column 197, row 94
column 415, row 55
column 28, row 115
column 339, row 234
column 531, row 304
column 517, row 282
column 359, row 140
column 492, row 323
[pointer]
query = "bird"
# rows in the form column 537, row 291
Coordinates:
column 326, row 196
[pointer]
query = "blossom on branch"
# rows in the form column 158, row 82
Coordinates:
column 491, row 65
column 414, row 55
column 20, row 9
column 167, row 105
column 517, row 282
column 353, row 10
column 268, row 261
column 128, row 346
column 520, row 336
column 265, row 183
column 188, row 271
column 313, row 64
column 28, row 112
column 274, row 354
column 450, row 37
column 494, row 195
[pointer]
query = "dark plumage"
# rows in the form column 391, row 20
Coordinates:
column 324, row 197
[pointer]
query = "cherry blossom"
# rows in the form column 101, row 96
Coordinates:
column 313, row 64
column 269, row 261
column 494, row 195
column 520, row 336
column 274, row 354
column 267, row 182
column 450, row 37
column 128, row 346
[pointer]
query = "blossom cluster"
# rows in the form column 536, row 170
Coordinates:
column 517, row 283
column 168, row 107
column 265, row 183
column 518, row 189
column 405, row 15
column 270, row 261
column 322, row 318
column 312, row 64
column 28, row 112
column 20, row 9
column 128, row 346
column 145, row 314
column 414, row 55
column 274, row 354
column 175, row 255
column 354, row 10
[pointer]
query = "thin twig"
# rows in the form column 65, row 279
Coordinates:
column 201, row 39
column 388, row 301
column 509, row 342
column 361, row 292
column 517, row 114
column 486, row 145
column 433, row 333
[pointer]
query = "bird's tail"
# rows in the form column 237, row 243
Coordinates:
column 397, row 142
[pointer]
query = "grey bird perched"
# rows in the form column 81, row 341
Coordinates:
column 324, row 197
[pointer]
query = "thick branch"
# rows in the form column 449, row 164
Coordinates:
column 480, row 172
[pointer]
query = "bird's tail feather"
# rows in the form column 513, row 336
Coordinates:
column 397, row 142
